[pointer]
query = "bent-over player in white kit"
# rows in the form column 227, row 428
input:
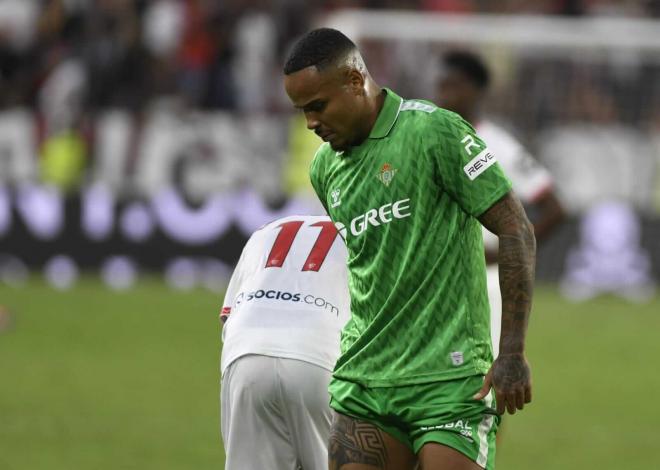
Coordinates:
column 461, row 88
column 283, row 311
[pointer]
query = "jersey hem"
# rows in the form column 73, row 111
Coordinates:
column 279, row 354
column 413, row 380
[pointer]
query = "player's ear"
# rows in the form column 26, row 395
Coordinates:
column 355, row 80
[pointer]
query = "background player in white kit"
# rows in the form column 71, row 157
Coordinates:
column 462, row 86
column 283, row 311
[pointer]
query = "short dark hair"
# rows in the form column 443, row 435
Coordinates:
column 320, row 47
column 470, row 65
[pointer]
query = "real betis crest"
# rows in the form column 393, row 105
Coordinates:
column 386, row 174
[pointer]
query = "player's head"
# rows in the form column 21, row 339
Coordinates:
column 463, row 82
column 327, row 79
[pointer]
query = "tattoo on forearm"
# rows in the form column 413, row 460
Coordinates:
column 517, row 259
column 355, row 442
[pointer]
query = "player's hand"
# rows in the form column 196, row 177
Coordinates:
column 510, row 377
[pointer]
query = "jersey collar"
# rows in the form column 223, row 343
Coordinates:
column 387, row 116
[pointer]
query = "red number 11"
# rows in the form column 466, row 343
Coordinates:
column 284, row 240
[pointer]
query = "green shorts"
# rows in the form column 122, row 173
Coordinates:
column 442, row 412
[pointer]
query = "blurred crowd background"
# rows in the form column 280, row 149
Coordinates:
column 211, row 55
column 155, row 135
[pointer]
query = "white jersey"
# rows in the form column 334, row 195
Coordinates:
column 529, row 179
column 288, row 296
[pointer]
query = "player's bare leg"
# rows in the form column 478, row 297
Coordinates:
column 356, row 445
column 435, row 456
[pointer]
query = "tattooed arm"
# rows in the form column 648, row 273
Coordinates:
column 510, row 376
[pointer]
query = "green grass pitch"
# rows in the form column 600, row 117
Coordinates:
column 95, row 379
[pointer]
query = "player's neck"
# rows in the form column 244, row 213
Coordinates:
column 377, row 100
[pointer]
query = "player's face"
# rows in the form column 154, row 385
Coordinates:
column 457, row 93
column 332, row 104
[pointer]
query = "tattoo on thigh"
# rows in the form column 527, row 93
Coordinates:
column 355, row 442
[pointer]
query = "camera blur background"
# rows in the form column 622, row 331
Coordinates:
column 141, row 142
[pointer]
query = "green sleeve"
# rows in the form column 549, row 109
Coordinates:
column 466, row 168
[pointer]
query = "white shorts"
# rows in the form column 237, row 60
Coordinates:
column 275, row 414
column 495, row 301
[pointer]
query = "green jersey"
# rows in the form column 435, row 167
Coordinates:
column 406, row 202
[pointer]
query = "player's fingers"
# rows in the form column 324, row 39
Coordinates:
column 500, row 398
column 528, row 394
column 485, row 388
column 511, row 402
column 520, row 398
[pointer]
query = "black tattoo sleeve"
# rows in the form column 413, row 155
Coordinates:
column 517, row 262
column 352, row 441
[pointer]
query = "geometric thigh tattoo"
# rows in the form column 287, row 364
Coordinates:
column 355, row 442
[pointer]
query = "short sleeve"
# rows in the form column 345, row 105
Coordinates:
column 467, row 169
column 530, row 179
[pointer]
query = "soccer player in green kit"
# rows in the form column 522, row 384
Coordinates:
column 407, row 185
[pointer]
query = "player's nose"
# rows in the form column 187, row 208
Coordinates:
column 312, row 122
